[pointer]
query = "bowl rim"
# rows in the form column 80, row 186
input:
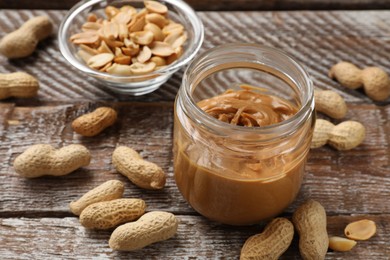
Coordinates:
column 170, row 69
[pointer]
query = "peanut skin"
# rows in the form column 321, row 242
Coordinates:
column 330, row 103
column 109, row 214
column 321, row 133
column 344, row 136
column 43, row 159
column 142, row 173
column 347, row 135
column 347, row 74
column 109, row 190
column 310, row 222
column 270, row 244
column 375, row 81
column 18, row 84
column 152, row 227
column 22, row 42
column 94, row 123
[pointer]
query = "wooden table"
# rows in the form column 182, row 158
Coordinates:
column 35, row 221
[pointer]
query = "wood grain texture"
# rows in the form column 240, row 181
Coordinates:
column 196, row 238
column 226, row 5
column 35, row 221
column 352, row 177
column 315, row 39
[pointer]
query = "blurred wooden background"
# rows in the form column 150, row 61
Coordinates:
column 226, row 5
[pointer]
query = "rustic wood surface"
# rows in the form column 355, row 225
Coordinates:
column 226, row 5
column 197, row 238
column 35, row 221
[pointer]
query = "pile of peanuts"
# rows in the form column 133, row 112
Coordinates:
column 130, row 42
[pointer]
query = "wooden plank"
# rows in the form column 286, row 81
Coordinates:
column 315, row 39
column 352, row 177
column 49, row 238
column 352, row 182
column 137, row 128
column 226, row 5
column 351, row 185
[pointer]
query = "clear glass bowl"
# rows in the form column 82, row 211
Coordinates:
column 179, row 11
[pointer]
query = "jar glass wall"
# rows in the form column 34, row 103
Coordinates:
column 234, row 174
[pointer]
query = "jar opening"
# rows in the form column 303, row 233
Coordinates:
column 227, row 66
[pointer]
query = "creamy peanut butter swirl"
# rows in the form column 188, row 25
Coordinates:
column 248, row 108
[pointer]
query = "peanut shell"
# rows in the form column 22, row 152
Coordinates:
column 310, row 222
column 109, row 190
column 347, row 74
column 376, row 83
column 44, row 159
column 321, row 133
column 92, row 124
column 109, row 214
column 330, row 103
column 142, row 173
column 347, row 135
column 152, row 227
column 18, row 84
column 271, row 243
column 23, row 41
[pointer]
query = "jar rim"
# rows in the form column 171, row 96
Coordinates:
column 194, row 112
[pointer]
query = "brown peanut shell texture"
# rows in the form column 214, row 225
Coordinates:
column 270, row 244
column 376, row 81
column 142, row 173
column 19, row 85
column 347, row 135
column 344, row 136
column 347, row 74
column 322, row 128
column 330, row 103
column 44, row 159
column 109, row 190
column 109, row 214
column 22, row 42
column 310, row 222
column 152, row 227
column 93, row 123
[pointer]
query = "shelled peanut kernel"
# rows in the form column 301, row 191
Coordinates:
column 360, row 230
column 130, row 41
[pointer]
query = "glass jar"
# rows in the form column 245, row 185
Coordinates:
column 235, row 174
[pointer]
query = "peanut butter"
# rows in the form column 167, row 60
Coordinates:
column 234, row 182
column 248, row 108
